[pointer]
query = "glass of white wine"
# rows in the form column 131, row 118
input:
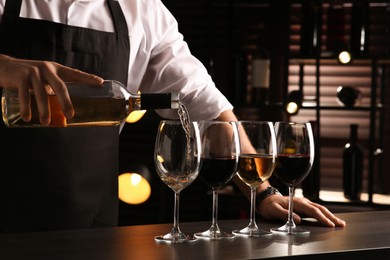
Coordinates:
column 177, row 159
column 256, row 164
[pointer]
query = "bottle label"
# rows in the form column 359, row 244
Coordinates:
column 260, row 73
column 157, row 101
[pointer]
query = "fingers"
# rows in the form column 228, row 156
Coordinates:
column 277, row 207
column 41, row 100
column 317, row 211
column 38, row 76
column 59, row 88
column 31, row 80
column 69, row 74
column 56, row 80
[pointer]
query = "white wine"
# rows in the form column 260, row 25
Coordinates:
column 177, row 182
column 105, row 105
column 255, row 169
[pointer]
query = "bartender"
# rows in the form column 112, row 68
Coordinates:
column 66, row 178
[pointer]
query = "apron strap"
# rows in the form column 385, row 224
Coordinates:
column 119, row 18
column 12, row 7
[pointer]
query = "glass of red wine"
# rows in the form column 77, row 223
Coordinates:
column 256, row 164
column 177, row 161
column 295, row 156
column 220, row 154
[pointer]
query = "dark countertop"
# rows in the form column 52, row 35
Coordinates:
column 366, row 236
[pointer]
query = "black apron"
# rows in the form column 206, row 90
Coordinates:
column 61, row 178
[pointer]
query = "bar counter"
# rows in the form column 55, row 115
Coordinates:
column 366, row 236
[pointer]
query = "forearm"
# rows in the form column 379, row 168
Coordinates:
column 4, row 57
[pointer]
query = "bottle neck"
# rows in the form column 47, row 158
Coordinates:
column 353, row 135
column 145, row 101
column 159, row 101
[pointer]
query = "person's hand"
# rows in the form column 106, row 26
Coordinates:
column 43, row 78
column 276, row 207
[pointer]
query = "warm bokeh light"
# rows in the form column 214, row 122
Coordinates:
column 133, row 188
column 160, row 159
column 135, row 116
column 294, row 102
column 345, row 57
column 292, row 108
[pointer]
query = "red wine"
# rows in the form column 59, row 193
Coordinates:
column 292, row 169
column 216, row 172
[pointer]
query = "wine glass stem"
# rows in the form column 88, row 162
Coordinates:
column 214, row 224
column 252, row 221
column 176, row 212
column 290, row 221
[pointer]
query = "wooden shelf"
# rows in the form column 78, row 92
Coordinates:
column 332, row 107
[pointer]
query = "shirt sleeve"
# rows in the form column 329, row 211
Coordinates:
column 2, row 4
column 172, row 68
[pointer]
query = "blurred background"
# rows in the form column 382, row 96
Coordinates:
column 262, row 55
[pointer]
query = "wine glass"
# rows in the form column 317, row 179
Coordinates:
column 295, row 156
column 256, row 164
column 177, row 160
column 220, row 154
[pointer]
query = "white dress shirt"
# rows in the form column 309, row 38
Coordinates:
column 160, row 60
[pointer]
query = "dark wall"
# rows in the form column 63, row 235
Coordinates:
column 220, row 33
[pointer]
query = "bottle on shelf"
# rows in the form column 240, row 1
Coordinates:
column 348, row 96
column 359, row 33
column 260, row 75
column 335, row 33
column 105, row 105
column 352, row 166
column 310, row 28
column 239, row 76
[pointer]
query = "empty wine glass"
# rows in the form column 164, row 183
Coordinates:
column 220, row 154
column 177, row 160
column 295, row 155
column 256, row 164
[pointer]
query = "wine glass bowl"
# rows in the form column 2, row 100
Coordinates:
column 220, row 154
column 295, row 156
column 256, row 164
column 177, row 160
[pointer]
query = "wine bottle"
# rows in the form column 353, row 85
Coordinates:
column 108, row 104
column 239, row 78
column 352, row 166
column 260, row 75
column 310, row 28
column 359, row 28
column 335, row 32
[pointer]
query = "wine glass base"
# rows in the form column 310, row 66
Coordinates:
column 290, row 230
column 213, row 235
column 174, row 238
column 252, row 232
